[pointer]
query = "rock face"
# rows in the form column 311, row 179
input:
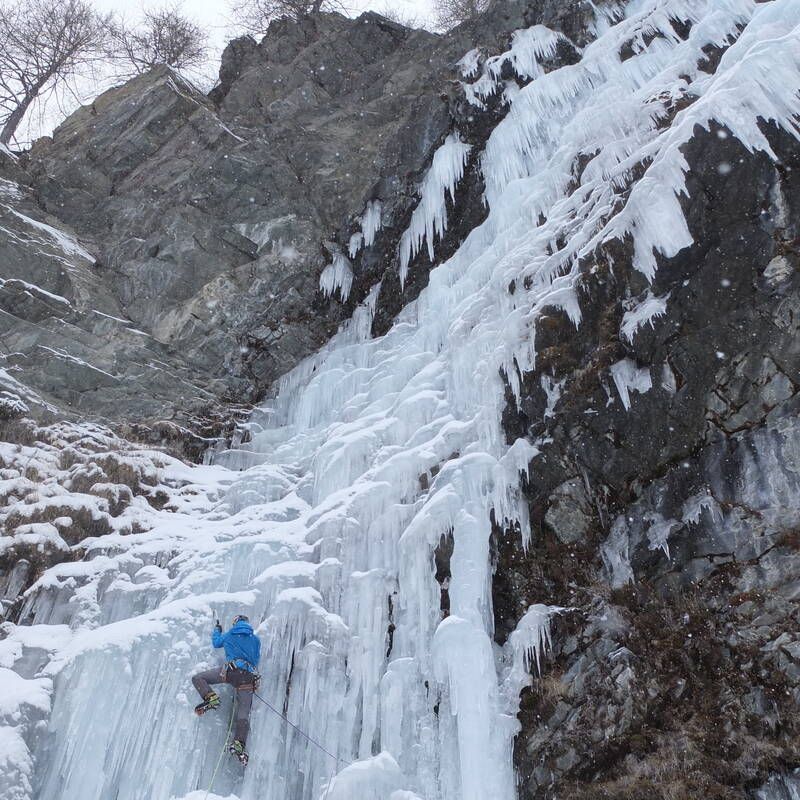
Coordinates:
column 667, row 520
column 204, row 222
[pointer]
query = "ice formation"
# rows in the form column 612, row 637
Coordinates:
column 630, row 378
column 371, row 221
column 429, row 220
column 337, row 275
column 324, row 526
column 642, row 313
column 528, row 48
column 370, row 225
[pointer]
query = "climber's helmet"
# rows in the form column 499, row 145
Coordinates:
column 240, row 618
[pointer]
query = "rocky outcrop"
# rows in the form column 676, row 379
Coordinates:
column 201, row 224
column 666, row 504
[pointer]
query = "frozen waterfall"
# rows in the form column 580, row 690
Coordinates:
column 324, row 525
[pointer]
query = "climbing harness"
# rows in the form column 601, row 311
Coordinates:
column 256, row 676
column 222, row 751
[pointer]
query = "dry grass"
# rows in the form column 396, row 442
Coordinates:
column 551, row 688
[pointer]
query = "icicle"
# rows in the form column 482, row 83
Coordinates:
column 337, row 275
column 371, row 221
column 643, row 314
column 429, row 219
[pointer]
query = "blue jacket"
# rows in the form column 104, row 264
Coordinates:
column 242, row 646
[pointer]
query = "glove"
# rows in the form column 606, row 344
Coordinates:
column 218, row 626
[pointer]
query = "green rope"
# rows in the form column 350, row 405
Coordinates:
column 222, row 751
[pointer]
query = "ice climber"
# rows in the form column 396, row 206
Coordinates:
column 242, row 651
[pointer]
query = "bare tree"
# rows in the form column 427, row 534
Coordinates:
column 402, row 16
column 43, row 45
column 255, row 15
column 164, row 36
column 449, row 13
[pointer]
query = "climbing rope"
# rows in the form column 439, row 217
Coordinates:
column 307, row 738
column 222, row 752
column 304, row 735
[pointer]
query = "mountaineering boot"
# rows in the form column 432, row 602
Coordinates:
column 210, row 702
column 237, row 749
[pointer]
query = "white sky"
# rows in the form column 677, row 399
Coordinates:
column 212, row 15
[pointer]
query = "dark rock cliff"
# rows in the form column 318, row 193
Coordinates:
column 208, row 220
column 669, row 530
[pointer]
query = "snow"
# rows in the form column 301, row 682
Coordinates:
column 429, row 220
column 15, row 691
column 111, row 316
column 324, row 526
column 64, row 356
column 32, row 287
column 68, row 244
column 9, row 190
column 38, row 535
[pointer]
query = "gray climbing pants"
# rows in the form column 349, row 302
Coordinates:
column 242, row 682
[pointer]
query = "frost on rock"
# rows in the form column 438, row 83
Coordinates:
column 429, row 220
column 552, row 391
column 68, row 244
column 659, row 530
column 694, row 507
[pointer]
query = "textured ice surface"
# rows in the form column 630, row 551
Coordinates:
column 323, row 527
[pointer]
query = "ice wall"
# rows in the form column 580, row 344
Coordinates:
column 324, row 526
